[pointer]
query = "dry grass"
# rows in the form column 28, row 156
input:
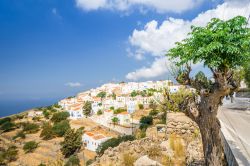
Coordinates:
column 177, row 145
column 128, row 160
column 154, row 152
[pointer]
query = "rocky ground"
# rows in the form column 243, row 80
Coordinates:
column 179, row 145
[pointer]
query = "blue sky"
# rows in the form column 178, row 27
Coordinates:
column 55, row 48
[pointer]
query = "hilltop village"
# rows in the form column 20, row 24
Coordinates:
column 85, row 128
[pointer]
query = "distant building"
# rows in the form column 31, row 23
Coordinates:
column 75, row 111
column 124, row 118
column 93, row 140
column 131, row 106
column 34, row 113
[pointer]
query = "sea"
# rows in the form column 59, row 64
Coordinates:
column 10, row 107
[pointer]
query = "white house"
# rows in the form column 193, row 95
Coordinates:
column 108, row 114
column 93, row 140
column 75, row 111
column 131, row 106
column 175, row 88
column 96, row 107
column 124, row 118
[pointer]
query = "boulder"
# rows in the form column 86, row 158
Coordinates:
column 146, row 161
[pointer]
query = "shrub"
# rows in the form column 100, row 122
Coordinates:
column 154, row 151
column 42, row 164
column 20, row 134
column 30, row 128
column 73, row 161
column 89, row 162
column 72, row 142
column 46, row 114
column 60, row 128
column 113, row 142
column 119, row 110
column 99, row 112
column 30, row 146
column 60, row 116
column 4, row 120
column 8, row 155
column 128, row 159
column 11, row 153
column 7, row 126
column 112, row 108
column 47, row 132
column 145, row 121
column 153, row 112
column 141, row 106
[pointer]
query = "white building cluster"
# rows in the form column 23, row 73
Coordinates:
column 117, row 96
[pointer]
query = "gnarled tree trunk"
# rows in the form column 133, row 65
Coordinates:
column 212, row 144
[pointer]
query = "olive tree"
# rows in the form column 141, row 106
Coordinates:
column 223, row 47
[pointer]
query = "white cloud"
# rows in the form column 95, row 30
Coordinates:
column 73, row 84
column 159, row 67
column 156, row 39
column 161, row 6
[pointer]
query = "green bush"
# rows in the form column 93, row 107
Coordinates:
column 141, row 106
column 8, row 155
column 20, row 134
column 153, row 112
column 119, row 110
column 47, row 132
column 72, row 142
column 30, row 128
column 145, row 121
column 60, row 128
column 89, row 162
column 46, row 114
column 4, row 120
column 113, row 142
column 59, row 116
column 99, row 112
column 73, row 161
column 30, row 146
column 7, row 126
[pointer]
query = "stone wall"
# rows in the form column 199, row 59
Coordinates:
column 180, row 124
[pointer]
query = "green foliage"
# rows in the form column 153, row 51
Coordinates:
column 8, row 155
column 119, row 110
column 176, row 99
column 112, row 108
column 60, row 128
column 153, row 112
column 4, row 120
column 152, row 105
column 47, row 132
column 101, row 95
column 42, row 164
column 59, row 116
column 99, row 112
column 72, row 142
column 7, row 126
column 247, row 74
column 87, row 108
column 113, row 142
column 221, row 45
column 30, row 146
column 145, row 122
column 115, row 120
column 113, row 96
column 30, row 128
column 89, row 162
column 20, row 134
column 134, row 94
column 73, row 161
column 46, row 114
column 141, row 107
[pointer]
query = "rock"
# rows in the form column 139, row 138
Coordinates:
column 145, row 161
column 183, row 131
